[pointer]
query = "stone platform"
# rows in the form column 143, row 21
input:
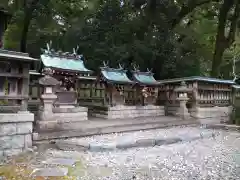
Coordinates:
column 206, row 115
column 123, row 112
column 15, row 133
column 95, row 126
column 63, row 118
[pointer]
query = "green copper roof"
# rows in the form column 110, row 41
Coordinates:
column 145, row 78
column 115, row 75
column 13, row 55
column 64, row 62
column 197, row 78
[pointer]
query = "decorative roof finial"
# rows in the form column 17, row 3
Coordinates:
column 49, row 45
column 183, row 83
column 135, row 67
column 120, row 66
column 149, row 70
column 105, row 64
column 48, row 71
column 75, row 50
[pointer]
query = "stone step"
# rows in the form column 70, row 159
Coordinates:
column 61, row 125
column 126, row 116
column 41, row 137
column 70, row 115
column 99, row 115
column 69, row 109
column 67, row 117
column 50, row 172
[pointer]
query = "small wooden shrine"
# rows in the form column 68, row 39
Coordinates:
column 209, row 96
column 147, row 85
column 60, row 110
column 14, row 79
column 117, row 85
column 66, row 68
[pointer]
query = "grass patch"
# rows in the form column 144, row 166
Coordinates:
column 20, row 172
column 15, row 172
column 76, row 170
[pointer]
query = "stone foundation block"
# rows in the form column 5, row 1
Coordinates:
column 15, row 132
column 63, row 109
column 145, row 142
column 212, row 112
column 12, row 152
column 70, row 115
column 101, row 147
column 28, row 141
column 71, row 146
column 126, row 145
column 8, row 129
column 24, row 128
column 16, row 117
column 9, row 142
column 122, row 112
column 43, row 126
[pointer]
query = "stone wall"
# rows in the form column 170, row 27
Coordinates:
column 122, row 112
column 171, row 109
column 15, row 133
column 209, row 115
column 63, row 118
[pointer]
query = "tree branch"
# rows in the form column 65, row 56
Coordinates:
column 221, row 40
column 188, row 8
column 234, row 20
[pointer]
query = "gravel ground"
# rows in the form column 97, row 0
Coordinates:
column 215, row 158
column 167, row 133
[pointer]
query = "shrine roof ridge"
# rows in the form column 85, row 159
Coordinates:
column 16, row 55
column 64, row 61
column 115, row 75
column 236, row 86
column 145, row 78
column 197, row 78
column 113, row 69
column 61, row 54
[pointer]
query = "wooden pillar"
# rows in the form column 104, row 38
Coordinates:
column 25, row 87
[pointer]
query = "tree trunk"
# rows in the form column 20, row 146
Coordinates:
column 28, row 9
column 223, row 42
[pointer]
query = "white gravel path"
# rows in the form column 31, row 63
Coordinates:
column 166, row 133
column 212, row 158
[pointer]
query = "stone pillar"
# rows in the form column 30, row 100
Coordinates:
column 46, row 112
column 48, row 97
column 195, row 102
column 182, row 97
column 182, row 109
column 2, row 82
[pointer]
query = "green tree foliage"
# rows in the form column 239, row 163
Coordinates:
column 174, row 37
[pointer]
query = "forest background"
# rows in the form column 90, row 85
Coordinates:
column 174, row 38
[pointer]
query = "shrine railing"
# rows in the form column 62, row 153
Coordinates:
column 205, row 93
column 66, row 98
column 92, row 93
column 13, row 86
